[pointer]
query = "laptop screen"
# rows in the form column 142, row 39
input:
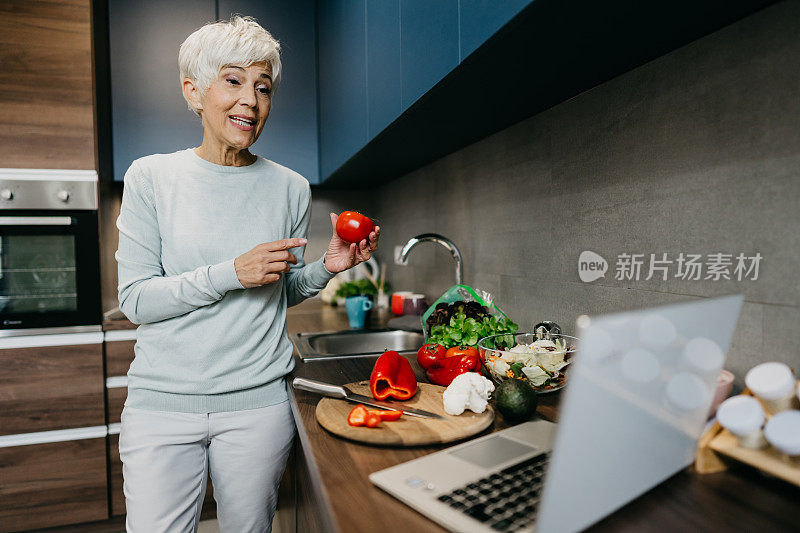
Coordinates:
column 636, row 402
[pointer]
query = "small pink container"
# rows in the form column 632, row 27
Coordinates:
column 724, row 387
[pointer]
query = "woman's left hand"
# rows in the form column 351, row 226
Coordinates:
column 342, row 255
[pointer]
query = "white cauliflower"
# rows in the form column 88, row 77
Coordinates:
column 470, row 391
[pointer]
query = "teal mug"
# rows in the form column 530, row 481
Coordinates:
column 357, row 307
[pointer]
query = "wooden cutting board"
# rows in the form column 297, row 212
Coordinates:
column 409, row 430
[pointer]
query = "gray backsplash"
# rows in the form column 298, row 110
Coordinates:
column 695, row 152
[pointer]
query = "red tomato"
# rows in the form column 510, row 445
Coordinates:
column 354, row 227
column 461, row 351
column 430, row 353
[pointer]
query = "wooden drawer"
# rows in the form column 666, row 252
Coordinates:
column 116, row 480
column 51, row 382
column 119, row 351
column 54, row 483
column 116, row 401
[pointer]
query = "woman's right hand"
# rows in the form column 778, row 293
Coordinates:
column 266, row 262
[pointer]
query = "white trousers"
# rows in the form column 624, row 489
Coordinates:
column 166, row 459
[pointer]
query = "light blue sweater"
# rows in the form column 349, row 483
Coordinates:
column 206, row 344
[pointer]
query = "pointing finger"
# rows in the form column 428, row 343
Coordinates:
column 285, row 244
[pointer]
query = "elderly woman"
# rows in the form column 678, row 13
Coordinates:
column 210, row 257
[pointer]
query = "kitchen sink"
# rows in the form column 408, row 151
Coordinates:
column 355, row 343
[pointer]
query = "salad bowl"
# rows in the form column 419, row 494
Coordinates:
column 539, row 359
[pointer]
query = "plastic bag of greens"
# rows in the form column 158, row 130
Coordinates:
column 462, row 316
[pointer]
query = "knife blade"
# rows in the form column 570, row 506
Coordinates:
column 338, row 391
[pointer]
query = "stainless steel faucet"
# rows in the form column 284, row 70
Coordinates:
column 439, row 239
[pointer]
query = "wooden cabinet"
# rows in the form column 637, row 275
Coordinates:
column 46, row 116
column 53, row 483
column 119, row 349
column 52, row 431
column 51, row 382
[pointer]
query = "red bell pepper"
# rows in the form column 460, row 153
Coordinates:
column 373, row 420
column 358, row 416
column 392, row 376
column 443, row 371
column 386, row 416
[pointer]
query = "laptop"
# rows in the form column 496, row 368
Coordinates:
column 637, row 400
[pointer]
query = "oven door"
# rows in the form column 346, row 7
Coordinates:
column 49, row 269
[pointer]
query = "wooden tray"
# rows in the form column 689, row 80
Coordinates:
column 718, row 443
column 408, row 431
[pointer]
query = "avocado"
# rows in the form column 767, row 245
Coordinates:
column 515, row 399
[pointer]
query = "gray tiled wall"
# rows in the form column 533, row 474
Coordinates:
column 696, row 152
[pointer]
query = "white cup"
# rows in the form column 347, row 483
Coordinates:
column 783, row 432
column 774, row 384
column 743, row 416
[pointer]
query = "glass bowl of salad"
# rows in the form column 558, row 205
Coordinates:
column 540, row 359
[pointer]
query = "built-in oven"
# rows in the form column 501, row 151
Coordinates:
column 49, row 252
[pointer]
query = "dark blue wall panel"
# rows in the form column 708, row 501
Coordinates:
column 149, row 114
column 480, row 19
column 290, row 135
column 342, row 81
column 429, row 44
column 383, row 64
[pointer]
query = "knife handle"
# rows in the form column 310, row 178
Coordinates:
column 320, row 387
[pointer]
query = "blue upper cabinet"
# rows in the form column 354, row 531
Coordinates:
column 383, row 64
column 149, row 114
column 429, row 45
column 480, row 19
column 291, row 132
column 342, row 85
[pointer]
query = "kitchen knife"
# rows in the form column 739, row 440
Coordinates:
column 338, row 391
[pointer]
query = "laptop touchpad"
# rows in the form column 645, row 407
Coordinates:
column 493, row 451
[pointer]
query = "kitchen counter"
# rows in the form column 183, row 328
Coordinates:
column 332, row 491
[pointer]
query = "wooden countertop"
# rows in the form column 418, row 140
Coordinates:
column 740, row 499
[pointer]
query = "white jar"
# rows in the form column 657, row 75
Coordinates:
column 743, row 416
column 783, row 432
column 774, row 384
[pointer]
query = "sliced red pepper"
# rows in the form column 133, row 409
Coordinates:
column 386, row 416
column 444, row 371
column 358, row 416
column 372, row 421
column 392, row 376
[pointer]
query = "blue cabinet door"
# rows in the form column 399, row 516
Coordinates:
column 429, row 45
column 480, row 19
column 290, row 134
column 384, row 103
column 342, row 81
column 148, row 112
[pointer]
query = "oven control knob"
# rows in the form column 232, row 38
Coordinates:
column 6, row 194
column 63, row 195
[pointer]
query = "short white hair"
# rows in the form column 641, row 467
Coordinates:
column 238, row 41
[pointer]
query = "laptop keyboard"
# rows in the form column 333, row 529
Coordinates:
column 505, row 501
